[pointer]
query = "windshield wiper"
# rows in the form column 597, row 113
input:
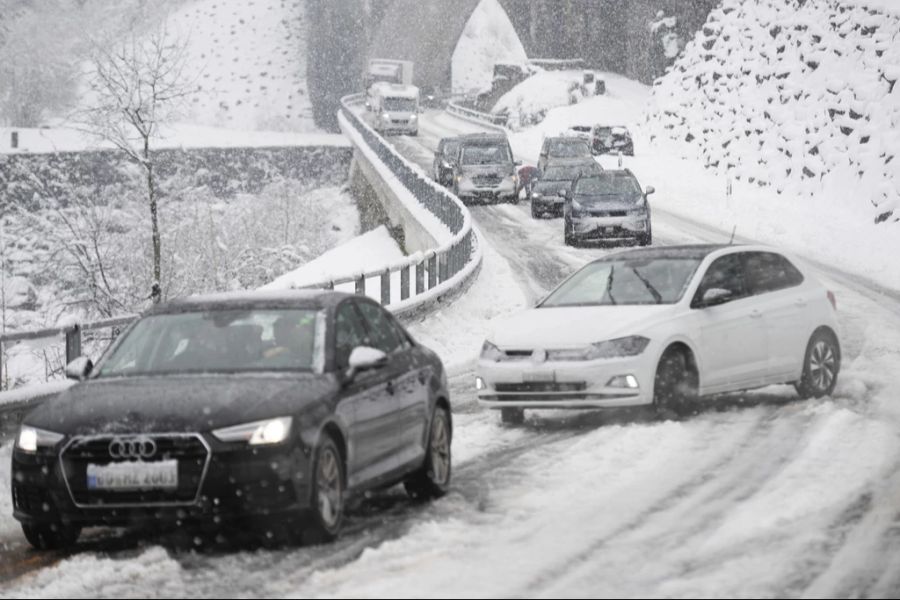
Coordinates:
column 609, row 282
column 656, row 295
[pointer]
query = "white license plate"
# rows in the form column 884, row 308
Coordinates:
column 136, row 475
column 539, row 377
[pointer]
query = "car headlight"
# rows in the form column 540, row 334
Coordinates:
column 386, row 116
column 617, row 348
column 491, row 352
column 32, row 438
column 257, row 433
column 414, row 118
column 537, row 195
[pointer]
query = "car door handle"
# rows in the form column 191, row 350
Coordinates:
column 800, row 302
column 756, row 314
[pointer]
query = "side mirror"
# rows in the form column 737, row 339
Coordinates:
column 563, row 192
column 79, row 368
column 650, row 190
column 518, row 163
column 715, row 297
column 364, row 358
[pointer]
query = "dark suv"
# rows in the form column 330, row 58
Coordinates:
column 562, row 148
column 485, row 169
column 607, row 207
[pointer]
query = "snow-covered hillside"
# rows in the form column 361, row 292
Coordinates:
column 249, row 59
column 489, row 38
column 800, row 96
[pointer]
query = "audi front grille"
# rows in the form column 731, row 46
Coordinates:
column 189, row 449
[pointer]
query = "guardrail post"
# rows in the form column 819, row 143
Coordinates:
column 404, row 283
column 432, row 271
column 420, row 277
column 444, row 266
column 73, row 343
column 386, row 287
column 361, row 285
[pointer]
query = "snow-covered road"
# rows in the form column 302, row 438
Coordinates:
column 759, row 495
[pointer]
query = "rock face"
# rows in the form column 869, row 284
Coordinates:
column 801, row 98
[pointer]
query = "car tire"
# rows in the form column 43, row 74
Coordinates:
column 646, row 239
column 54, row 536
column 674, row 386
column 534, row 212
column 821, row 366
column 432, row 480
column 327, row 491
column 512, row 416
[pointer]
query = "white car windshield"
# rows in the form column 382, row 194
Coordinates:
column 400, row 104
column 626, row 281
column 220, row 341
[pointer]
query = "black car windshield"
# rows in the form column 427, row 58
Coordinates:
column 569, row 149
column 622, row 188
column 219, row 341
column 400, row 104
column 450, row 149
column 485, row 155
column 626, row 281
column 568, row 173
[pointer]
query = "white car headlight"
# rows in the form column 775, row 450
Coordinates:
column 257, row 433
column 491, row 352
column 32, row 438
column 617, row 348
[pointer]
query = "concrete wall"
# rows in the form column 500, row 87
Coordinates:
column 415, row 237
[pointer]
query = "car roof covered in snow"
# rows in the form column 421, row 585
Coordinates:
column 310, row 299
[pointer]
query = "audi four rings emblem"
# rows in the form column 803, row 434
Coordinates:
column 132, row 447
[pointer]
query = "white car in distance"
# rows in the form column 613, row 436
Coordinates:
column 662, row 326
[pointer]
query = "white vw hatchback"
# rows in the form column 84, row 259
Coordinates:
column 661, row 326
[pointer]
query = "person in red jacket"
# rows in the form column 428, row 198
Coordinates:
column 527, row 176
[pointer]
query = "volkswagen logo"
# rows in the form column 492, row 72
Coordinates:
column 140, row 447
column 539, row 356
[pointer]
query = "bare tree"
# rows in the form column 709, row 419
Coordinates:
column 138, row 86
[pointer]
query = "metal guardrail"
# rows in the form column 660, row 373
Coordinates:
column 470, row 113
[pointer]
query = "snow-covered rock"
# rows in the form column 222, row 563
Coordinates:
column 796, row 97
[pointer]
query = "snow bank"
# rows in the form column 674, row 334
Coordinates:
column 803, row 99
column 366, row 252
column 489, row 38
column 528, row 103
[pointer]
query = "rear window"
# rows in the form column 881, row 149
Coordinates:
column 569, row 149
column 607, row 186
column 485, row 155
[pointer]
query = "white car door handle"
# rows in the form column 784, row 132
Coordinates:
column 756, row 315
column 800, row 302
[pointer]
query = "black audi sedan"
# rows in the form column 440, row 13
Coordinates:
column 267, row 410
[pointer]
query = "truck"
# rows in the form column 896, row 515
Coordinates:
column 395, row 108
column 381, row 71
